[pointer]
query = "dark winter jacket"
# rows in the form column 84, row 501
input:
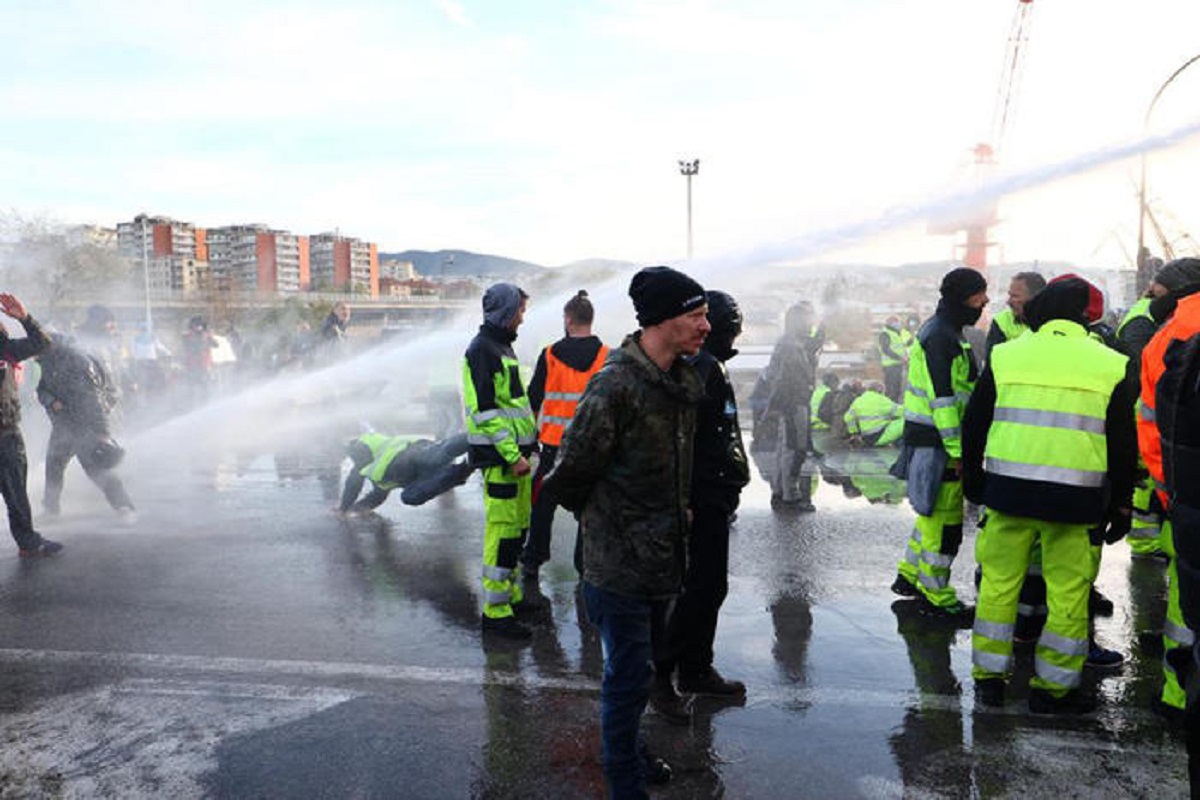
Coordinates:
column 13, row 351
column 624, row 467
column 720, row 468
column 75, row 389
column 791, row 374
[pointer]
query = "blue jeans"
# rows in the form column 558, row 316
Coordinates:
column 624, row 623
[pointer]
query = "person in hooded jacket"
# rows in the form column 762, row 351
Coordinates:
column 562, row 373
column 720, row 470
column 1047, row 447
column 79, row 396
column 942, row 372
column 790, row 376
column 502, row 435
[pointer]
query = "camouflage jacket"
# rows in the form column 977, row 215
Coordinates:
column 624, row 467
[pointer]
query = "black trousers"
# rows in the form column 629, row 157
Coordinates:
column 14, row 468
column 67, row 443
column 541, row 518
column 692, row 627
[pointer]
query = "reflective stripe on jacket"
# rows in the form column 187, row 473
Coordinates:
column 500, row 423
column 1053, row 389
column 923, row 406
column 564, row 388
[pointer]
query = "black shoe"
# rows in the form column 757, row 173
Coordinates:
column 1102, row 658
column 1151, row 643
column 1073, row 702
column 958, row 613
column 655, row 771
column 903, row 587
column 670, row 704
column 1099, row 605
column 44, row 550
column 710, row 682
column 1172, row 716
column 507, row 627
column 990, row 692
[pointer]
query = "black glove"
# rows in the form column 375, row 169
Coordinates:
column 1096, row 535
column 972, row 484
column 1117, row 525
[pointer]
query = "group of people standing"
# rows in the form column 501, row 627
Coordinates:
column 642, row 444
column 1043, row 438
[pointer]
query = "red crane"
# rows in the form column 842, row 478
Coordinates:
column 978, row 221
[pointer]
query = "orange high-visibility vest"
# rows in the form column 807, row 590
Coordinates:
column 564, row 387
column 1182, row 325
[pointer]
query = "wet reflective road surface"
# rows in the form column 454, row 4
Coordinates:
column 238, row 640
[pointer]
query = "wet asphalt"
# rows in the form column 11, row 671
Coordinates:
column 238, row 640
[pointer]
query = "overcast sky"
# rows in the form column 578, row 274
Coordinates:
column 550, row 131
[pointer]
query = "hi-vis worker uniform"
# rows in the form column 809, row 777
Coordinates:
column 500, row 429
column 941, row 375
column 1182, row 325
column 1046, row 476
column 562, row 373
column 814, row 406
column 874, row 418
column 1146, row 536
column 564, row 388
column 893, row 348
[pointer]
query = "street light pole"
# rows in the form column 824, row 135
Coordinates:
column 1142, row 277
column 688, row 169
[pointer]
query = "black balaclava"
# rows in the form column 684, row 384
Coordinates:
column 957, row 286
column 725, row 317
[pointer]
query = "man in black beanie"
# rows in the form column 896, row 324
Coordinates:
column 941, row 376
column 624, row 468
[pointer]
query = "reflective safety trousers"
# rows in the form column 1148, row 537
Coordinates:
column 506, row 508
column 933, row 544
column 1069, row 565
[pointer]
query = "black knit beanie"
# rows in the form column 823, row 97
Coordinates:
column 661, row 293
column 961, row 283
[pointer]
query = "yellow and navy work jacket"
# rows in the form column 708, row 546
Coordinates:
column 1059, row 422
column 814, row 406
column 564, row 388
column 384, row 450
column 891, row 346
column 941, row 375
column 500, row 423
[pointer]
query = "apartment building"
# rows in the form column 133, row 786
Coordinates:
column 343, row 264
column 256, row 258
column 174, row 254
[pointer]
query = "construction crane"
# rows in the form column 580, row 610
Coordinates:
column 978, row 221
